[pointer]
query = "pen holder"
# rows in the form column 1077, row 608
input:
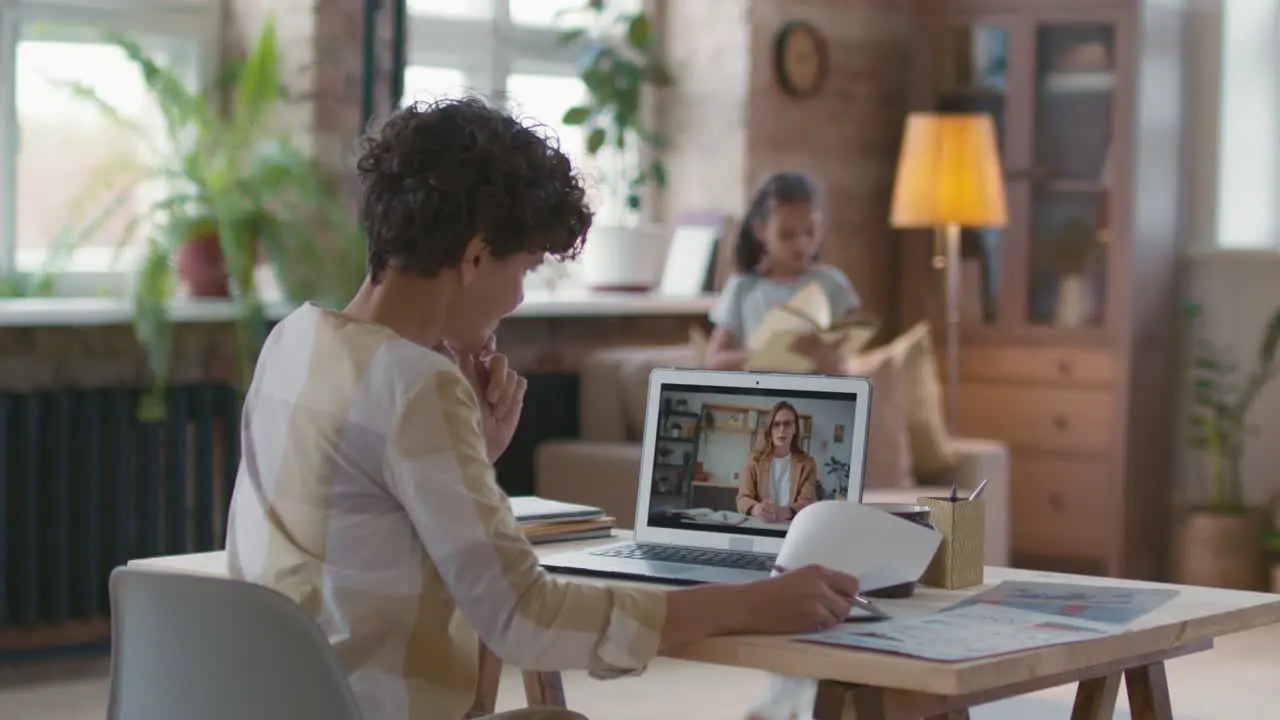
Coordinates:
column 958, row 562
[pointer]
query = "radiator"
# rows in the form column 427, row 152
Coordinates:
column 85, row 487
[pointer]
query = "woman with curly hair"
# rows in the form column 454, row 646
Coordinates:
column 366, row 489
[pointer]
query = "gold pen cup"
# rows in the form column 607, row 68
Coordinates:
column 958, row 562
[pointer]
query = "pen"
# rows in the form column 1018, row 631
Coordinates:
column 869, row 607
column 859, row 601
column 977, row 493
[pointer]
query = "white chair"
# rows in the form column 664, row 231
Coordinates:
column 191, row 647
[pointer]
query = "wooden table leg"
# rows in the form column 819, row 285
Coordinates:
column 486, row 684
column 1148, row 689
column 544, row 690
column 837, row 701
column 1096, row 698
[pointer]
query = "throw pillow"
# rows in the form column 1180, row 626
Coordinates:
column 888, row 463
column 930, row 441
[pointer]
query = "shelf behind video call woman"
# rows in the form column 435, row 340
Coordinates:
column 779, row 479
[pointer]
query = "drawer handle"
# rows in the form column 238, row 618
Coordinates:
column 1060, row 422
column 1064, row 368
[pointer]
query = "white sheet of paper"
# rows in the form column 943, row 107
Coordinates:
column 878, row 548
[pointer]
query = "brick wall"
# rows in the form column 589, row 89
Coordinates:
column 704, row 114
column 321, row 61
column 846, row 136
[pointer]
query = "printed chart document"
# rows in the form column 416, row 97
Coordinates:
column 966, row 633
column 878, row 548
column 1098, row 603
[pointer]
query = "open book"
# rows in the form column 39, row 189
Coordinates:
column 807, row 311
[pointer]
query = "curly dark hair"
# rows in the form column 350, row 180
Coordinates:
column 438, row 174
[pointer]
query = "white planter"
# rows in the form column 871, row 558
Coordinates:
column 624, row 258
column 1073, row 302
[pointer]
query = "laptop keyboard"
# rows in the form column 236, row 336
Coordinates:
column 689, row 556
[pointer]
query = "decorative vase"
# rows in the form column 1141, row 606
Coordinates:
column 1073, row 301
column 624, row 259
column 1222, row 548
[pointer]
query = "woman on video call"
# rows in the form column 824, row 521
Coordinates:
column 779, row 478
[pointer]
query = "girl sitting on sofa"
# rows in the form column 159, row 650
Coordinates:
column 776, row 256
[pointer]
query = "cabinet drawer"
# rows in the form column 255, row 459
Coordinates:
column 1070, row 366
column 1042, row 417
column 1064, row 507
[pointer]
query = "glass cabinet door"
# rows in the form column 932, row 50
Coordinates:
column 969, row 73
column 1067, row 251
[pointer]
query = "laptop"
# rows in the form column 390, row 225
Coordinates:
column 701, row 430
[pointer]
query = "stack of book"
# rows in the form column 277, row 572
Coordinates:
column 545, row 521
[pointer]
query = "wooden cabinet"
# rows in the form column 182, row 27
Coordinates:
column 1067, row 349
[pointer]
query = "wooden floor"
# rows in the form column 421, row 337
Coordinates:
column 1236, row 681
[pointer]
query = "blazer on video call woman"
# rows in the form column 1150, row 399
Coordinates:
column 779, row 478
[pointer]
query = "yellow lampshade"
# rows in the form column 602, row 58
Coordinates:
column 949, row 173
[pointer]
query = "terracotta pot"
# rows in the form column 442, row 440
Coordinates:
column 201, row 265
column 1225, row 549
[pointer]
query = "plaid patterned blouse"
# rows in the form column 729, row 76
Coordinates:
column 364, row 493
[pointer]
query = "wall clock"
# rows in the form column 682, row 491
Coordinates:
column 800, row 59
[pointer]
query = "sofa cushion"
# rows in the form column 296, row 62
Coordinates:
column 888, row 463
column 913, row 351
column 634, row 369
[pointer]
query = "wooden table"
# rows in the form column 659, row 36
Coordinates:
column 878, row 686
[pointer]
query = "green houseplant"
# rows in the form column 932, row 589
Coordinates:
column 1222, row 537
column 235, row 192
column 620, row 60
column 838, row 469
column 621, row 64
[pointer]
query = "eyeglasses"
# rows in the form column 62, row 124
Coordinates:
column 784, row 423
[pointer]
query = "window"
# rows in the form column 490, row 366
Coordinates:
column 55, row 146
column 428, row 82
column 509, row 51
column 544, row 98
column 542, row 13
column 1249, row 126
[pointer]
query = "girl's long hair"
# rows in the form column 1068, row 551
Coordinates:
column 779, row 188
column 764, row 445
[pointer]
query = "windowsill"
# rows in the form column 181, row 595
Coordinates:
column 1236, row 254
column 92, row 312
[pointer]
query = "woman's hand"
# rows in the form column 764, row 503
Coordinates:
column 770, row 512
column 500, row 391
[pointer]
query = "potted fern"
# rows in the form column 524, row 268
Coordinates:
column 621, row 63
column 1222, row 538
column 236, row 193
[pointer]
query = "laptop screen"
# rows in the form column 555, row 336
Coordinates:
column 737, row 459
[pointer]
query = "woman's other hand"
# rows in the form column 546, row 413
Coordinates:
column 769, row 512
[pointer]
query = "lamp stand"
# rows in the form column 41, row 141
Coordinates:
column 947, row 258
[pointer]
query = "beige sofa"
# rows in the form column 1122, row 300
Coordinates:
column 603, row 466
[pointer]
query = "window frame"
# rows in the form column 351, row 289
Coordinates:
column 490, row 49
column 193, row 24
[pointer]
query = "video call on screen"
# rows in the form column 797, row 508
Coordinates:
column 707, row 438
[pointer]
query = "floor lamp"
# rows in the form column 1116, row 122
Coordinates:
column 949, row 177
